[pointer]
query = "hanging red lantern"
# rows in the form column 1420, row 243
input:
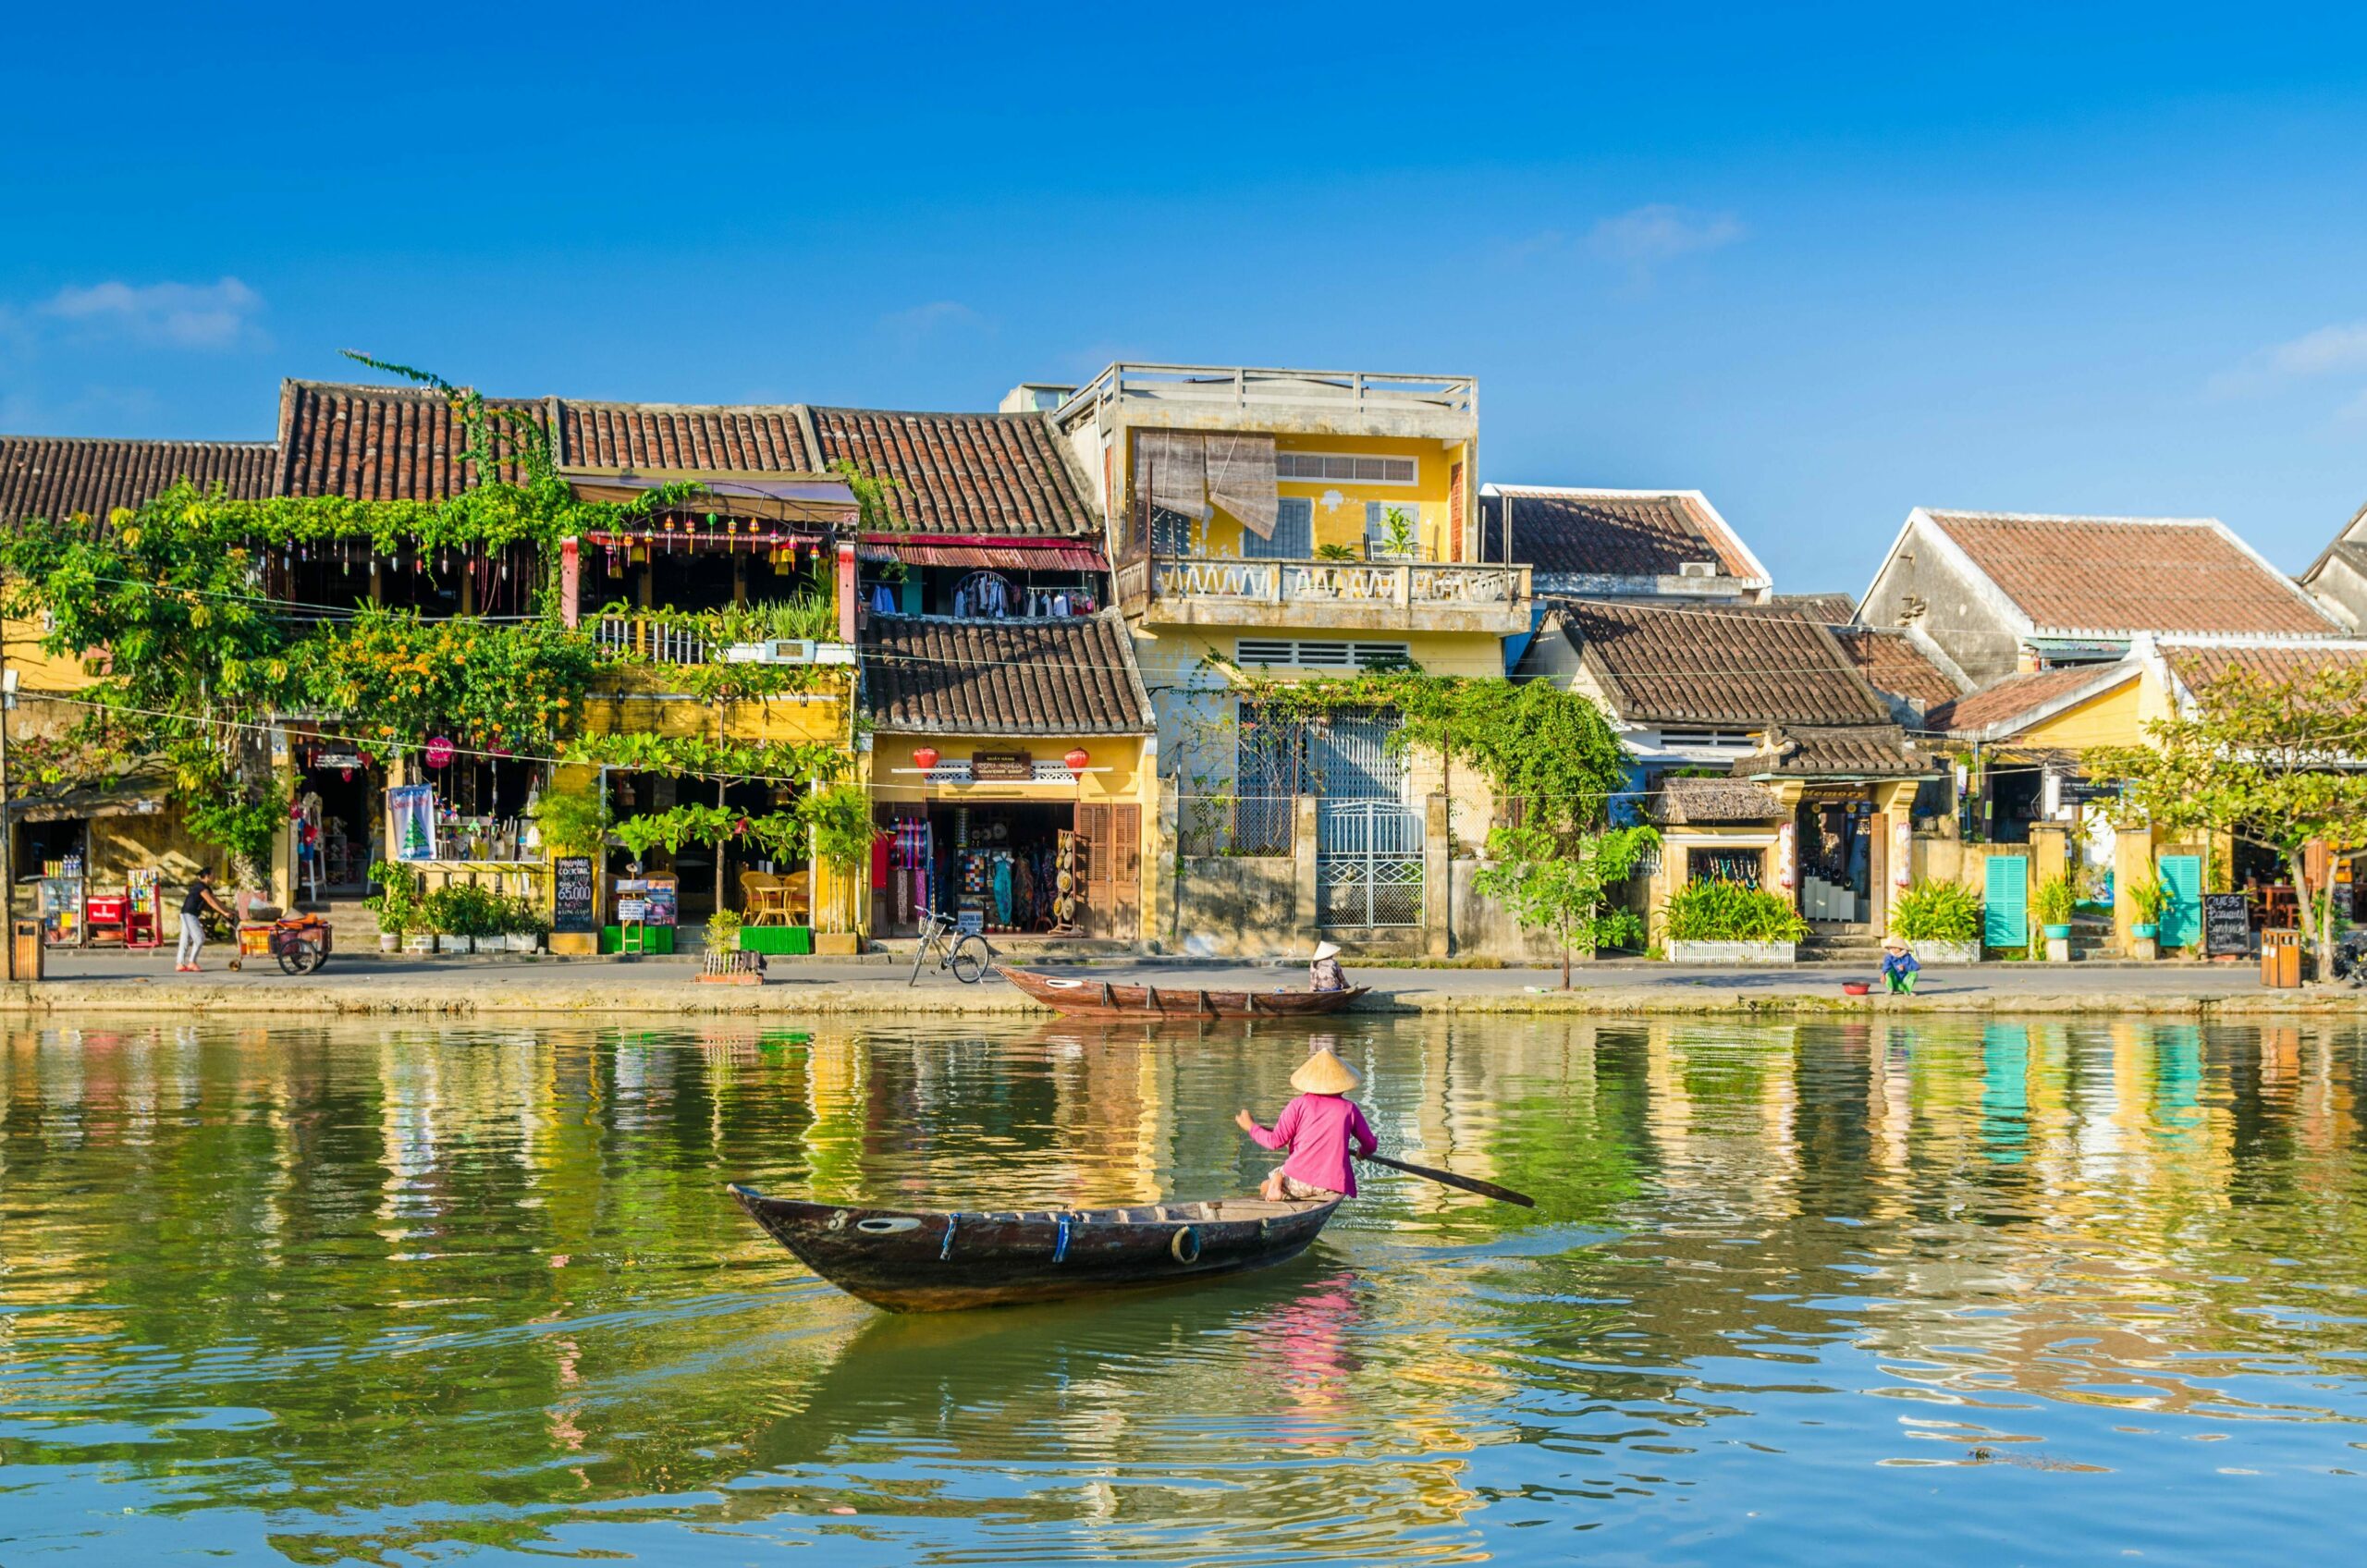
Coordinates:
column 439, row 751
column 1078, row 759
column 924, row 757
column 346, row 774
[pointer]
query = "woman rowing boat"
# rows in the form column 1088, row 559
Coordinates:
column 1319, row 1128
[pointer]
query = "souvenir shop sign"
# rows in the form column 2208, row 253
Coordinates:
column 571, row 902
column 1002, row 767
column 410, row 822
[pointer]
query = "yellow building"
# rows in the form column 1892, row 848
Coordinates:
column 1004, row 755
column 1293, row 525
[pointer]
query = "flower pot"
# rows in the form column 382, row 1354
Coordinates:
column 2059, row 933
column 2145, row 930
column 390, row 941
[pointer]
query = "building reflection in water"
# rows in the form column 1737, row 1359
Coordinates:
column 511, row 1247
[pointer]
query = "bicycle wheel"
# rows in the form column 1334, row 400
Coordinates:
column 969, row 960
column 301, row 956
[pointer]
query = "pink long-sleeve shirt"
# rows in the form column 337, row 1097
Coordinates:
column 1318, row 1129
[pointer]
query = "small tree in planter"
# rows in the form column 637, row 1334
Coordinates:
column 2147, row 897
column 1556, row 887
column 397, row 905
column 1945, row 917
column 2056, row 901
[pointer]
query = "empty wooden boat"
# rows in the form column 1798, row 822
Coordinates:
column 1103, row 998
column 920, row 1261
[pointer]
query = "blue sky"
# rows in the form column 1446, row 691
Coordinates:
column 1825, row 265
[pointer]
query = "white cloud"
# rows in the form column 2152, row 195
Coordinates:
column 179, row 315
column 1657, row 232
column 910, row 326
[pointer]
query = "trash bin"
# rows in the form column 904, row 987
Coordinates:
column 29, row 948
column 2280, row 960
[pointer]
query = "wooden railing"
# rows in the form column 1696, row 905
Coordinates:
column 639, row 637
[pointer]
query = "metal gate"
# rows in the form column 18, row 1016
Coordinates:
column 1367, row 863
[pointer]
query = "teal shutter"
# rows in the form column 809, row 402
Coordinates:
column 2182, row 910
column 2006, row 907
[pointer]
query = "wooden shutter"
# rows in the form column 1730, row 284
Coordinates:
column 2004, row 914
column 1454, row 512
column 1093, row 827
column 2182, row 910
column 1125, row 860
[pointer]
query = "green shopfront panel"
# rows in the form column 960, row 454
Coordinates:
column 2182, row 909
column 2004, row 903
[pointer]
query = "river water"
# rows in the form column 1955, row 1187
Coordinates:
column 1974, row 1292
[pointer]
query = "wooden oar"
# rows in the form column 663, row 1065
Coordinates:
column 1448, row 1178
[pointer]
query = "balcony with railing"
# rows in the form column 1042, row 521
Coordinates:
column 1232, row 396
column 1358, row 595
column 726, row 638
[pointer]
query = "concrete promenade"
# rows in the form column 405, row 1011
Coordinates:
column 369, row 985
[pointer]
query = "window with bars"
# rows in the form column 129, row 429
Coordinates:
column 1346, row 466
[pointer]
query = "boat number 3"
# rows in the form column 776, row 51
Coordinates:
column 1185, row 1247
column 886, row 1227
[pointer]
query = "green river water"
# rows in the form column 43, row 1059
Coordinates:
column 1831, row 1293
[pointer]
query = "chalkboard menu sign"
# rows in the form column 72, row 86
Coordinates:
column 2226, row 923
column 571, row 903
column 2344, row 894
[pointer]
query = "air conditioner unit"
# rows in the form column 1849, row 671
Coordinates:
column 1697, row 569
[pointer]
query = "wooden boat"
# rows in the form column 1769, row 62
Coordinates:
column 910, row 1261
column 1101, row 999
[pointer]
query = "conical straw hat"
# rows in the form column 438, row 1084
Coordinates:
column 1324, row 1074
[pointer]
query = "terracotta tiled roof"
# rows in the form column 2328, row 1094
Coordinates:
column 961, row 473
column 2197, row 666
column 2119, row 575
column 2019, row 697
column 1611, row 532
column 749, row 439
column 1069, row 677
column 1827, row 610
column 1857, row 750
column 1731, row 664
column 1679, row 799
column 1892, row 663
column 373, row 443
column 61, row 477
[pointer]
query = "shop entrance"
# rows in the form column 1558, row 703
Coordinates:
column 998, row 867
column 342, row 805
column 1836, row 845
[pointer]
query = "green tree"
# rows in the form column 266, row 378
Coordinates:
column 2274, row 762
column 1558, row 883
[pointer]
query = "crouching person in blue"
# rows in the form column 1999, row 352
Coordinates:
column 1899, row 967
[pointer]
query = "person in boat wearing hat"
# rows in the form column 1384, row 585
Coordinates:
column 1320, row 1128
column 1323, row 971
column 1898, row 965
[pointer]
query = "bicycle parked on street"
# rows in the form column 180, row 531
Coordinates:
column 964, row 953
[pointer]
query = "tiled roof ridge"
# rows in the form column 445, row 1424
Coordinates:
column 1936, row 513
column 566, row 402
column 237, row 443
column 1019, row 416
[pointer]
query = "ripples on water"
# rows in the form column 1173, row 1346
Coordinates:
column 1817, row 1294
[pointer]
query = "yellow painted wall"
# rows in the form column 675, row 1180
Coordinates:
column 38, row 671
column 820, row 715
column 1344, row 524
column 2110, row 719
column 1122, row 754
column 1170, row 659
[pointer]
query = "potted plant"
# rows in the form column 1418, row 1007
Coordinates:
column 723, row 931
column 523, row 923
column 1942, row 921
column 1707, row 921
column 396, row 903
column 2147, row 898
column 2055, row 901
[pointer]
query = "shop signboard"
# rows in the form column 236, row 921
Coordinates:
column 665, row 902
column 571, row 901
column 410, row 822
column 2226, row 923
column 1002, row 767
